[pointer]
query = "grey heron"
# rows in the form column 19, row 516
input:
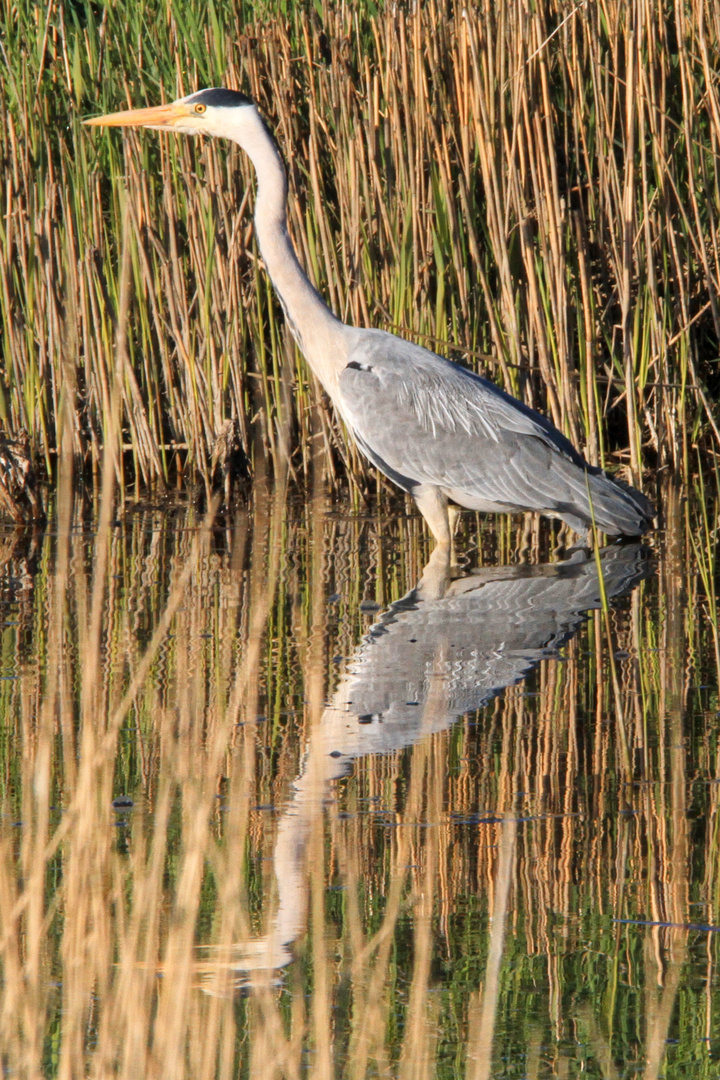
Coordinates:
column 442, row 433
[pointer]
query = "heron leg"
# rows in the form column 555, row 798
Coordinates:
column 433, row 506
column 442, row 521
column 436, row 575
column 454, row 512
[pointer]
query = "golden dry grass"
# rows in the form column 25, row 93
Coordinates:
column 524, row 812
column 540, row 185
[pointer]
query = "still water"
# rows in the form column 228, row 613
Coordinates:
column 277, row 800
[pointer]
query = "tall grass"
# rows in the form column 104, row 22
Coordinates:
column 533, row 190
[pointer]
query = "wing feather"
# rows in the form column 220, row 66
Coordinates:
column 436, row 423
column 426, row 421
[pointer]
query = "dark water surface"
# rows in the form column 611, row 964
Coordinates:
column 279, row 800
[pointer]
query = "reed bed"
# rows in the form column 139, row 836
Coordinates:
column 122, row 932
column 530, row 189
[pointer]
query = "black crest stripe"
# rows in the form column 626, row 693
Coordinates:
column 218, row 96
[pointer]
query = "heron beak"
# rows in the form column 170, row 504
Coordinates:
column 163, row 117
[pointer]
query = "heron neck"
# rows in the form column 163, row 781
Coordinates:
column 317, row 331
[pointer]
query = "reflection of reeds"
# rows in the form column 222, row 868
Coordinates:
column 535, row 182
column 406, row 863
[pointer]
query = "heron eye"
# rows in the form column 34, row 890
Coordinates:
column 200, row 108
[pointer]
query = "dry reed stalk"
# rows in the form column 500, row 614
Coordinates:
column 483, row 1012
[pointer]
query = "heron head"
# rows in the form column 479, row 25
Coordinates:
column 216, row 111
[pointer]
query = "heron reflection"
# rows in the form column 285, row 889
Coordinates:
column 443, row 650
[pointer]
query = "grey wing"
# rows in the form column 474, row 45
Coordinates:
column 424, row 420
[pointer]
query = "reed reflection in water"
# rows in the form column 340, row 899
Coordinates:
column 410, row 874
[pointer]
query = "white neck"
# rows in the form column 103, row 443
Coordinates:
column 320, row 335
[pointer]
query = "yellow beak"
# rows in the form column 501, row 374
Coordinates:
column 159, row 116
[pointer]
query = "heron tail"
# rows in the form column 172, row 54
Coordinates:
column 617, row 508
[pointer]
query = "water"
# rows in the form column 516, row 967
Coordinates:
column 279, row 800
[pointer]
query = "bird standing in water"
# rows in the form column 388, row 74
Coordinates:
column 442, row 433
